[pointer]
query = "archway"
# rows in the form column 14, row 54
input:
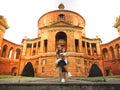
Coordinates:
column 105, row 53
column 28, row 70
column 61, row 39
column 95, row 71
column 4, row 51
column 112, row 52
column 108, row 71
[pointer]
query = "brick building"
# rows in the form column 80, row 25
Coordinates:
column 111, row 53
column 58, row 27
column 9, row 52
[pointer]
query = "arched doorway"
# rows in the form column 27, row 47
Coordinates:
column 14, row 71
column 108, row 71
column 61, row 39
column 28, row 70
column 95, row 71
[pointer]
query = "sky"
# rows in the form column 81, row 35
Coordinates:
column 22, row 17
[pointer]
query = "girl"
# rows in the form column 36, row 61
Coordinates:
column 62, row 62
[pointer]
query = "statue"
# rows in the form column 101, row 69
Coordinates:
column 117, row 24
column 3, row 22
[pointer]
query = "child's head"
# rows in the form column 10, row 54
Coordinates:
column 62, row 56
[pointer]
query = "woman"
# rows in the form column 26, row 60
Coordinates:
column 62, row 62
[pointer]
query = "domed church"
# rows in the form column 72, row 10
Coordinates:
column 63, row 28
column 67, row 29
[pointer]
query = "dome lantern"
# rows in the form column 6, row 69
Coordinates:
column 61, row 6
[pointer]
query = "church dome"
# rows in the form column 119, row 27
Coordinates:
column 67, row 16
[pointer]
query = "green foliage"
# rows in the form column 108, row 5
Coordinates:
column 9, row 76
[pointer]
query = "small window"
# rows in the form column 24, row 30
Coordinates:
column 37, row 63
column 78, row 69
column 83, row 43
column 34, row 45
column 61, row 17
column 38, row 44
column 85, row 62
column 43, row 69
column 29, row 45
column 43, row 61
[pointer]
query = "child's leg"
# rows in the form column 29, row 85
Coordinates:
column 65, row 66
column 66, row 69
column 63, row 75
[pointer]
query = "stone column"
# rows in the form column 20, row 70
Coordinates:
column 91, row 53
column 41, row 45
column 36, row 50
column 80, row 44
column 24, row 47
column 31, row 51
column 13, row 54
column 86, row 51
column 98, row 47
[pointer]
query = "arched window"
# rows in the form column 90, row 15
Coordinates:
column 105, row 53
column 45, row 45
column 117, row 47
column 61, row 39
column 61, row 17
column 10, row 52
column 4, row 51
column 17, row 54
column 112, row 52
column 76, row 45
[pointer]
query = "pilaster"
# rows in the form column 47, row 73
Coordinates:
column 98, row 47
column 70, row 41
column 51, row 41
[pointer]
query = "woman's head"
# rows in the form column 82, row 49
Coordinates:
column 59, row 47
column 63, row 49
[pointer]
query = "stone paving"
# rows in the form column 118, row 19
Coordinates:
column 56, row 80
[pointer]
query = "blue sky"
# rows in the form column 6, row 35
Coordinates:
column 22, row 16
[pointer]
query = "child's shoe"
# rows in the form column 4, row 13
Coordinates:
column 62, row 80
column 69, row 74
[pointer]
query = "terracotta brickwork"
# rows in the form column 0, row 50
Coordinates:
column 10, row 58
column 58, row 27
column 65, row 28
column 111, row 57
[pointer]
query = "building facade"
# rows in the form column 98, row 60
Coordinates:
column 111, row 54
column 9, row 52
column 111, row 57
column 58, row 27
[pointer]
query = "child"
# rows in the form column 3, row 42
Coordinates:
column 61, row 63
column 66, row 61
